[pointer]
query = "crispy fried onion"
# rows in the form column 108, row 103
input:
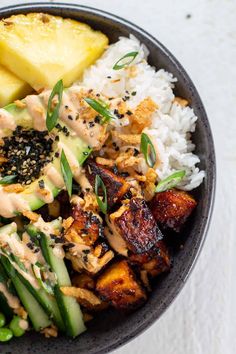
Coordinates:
column 85, row 297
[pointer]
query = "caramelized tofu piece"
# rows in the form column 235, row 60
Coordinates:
column 119, row 286
column 136, row 225
column 172, row 208
column 85, row 228
column 84, row 281
column 155, row 262
column 116, row 186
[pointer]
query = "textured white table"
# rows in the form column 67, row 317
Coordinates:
column 202, row 320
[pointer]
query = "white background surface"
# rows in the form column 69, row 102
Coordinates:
column 202, row 320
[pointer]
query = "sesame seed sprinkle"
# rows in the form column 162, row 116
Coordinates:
column 26, row 152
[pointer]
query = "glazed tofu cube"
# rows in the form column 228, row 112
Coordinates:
column 172, row 208
column 85, row 228
column 155, row 262
column 116, row 186
column 119, row 286
column 136, row 225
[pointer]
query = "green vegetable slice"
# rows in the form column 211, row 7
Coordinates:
column 101, row 108
column 98, row 186
column 8, row 179
column 170, row 181
column 124, row 61
column 148, row 150
column 66, row 172
column 53, row 112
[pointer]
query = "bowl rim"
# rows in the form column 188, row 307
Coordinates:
column 61, row 6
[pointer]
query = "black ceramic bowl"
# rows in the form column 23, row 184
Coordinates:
column 110, row 329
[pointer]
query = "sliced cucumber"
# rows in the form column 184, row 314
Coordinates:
column 36, row 314
column 70, row 309
column 47, row 301
column 4, row 306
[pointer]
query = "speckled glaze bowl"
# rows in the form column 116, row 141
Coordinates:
column 110, row 329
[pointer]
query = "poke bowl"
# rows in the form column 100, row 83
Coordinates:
column 107, row 178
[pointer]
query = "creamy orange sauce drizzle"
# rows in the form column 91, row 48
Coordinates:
column 37, row 112
column 54, row 176
column 6, row 121
column 12, row 300
column 11, row 203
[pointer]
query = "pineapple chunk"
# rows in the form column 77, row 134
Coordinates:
column 11, row 87
column 42, row 49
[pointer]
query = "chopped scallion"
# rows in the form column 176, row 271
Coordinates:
column 124, row 61
column 66, row 172
column 171, row 181
column 148, row 150
column 53, row 112
column 102, row 203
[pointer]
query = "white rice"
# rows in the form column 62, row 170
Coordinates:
column 172, row 124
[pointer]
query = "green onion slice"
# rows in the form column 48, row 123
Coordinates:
column 53, row 112
column 66, row 172
column 98, row 186
column 170, row 181
column 124, row 61
column 8, row 179
column 101, row 108
column 148, row 150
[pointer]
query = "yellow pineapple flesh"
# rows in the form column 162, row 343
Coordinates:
column 11, row 87
column 42, row 49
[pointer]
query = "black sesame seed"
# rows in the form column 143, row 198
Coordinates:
column 68, row 246
column 57, row 154
column 25, row 151
column 70, row 117
column 133, row 93
column 97, row 119
column 41, row 184
column 30, row 245
column 108, row 77
column 59, row 240
column 129, row 113
column 91, row 124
